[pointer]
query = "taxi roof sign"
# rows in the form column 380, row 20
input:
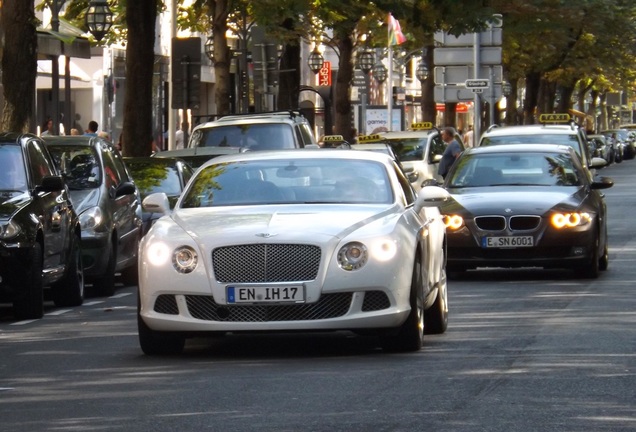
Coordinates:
column 327, row 138
column 422, row 126
column 555, row 118
column 369, row 138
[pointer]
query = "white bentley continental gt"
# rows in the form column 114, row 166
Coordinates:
column 298, row 240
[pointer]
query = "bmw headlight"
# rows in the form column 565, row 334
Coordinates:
column 570, row 220
column 91, row 219
column 184, row 259
column 352, row 256
column 453, row 222
column 9, row 230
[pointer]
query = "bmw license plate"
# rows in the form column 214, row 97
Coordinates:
column 507, row 242
column 246, row 294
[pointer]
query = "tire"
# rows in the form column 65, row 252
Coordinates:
column 410, row 336
column 604, row 260
column 69, row 291
column 436, row 317
column 28, row 302
column 105, row 285
column 158, row 343
column 591, row 270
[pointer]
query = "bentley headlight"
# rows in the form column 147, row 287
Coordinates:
column 158, row 254
column 384, row 250
column 9, row 230
column 91, row 219
column 453, row 222
column 184, row 259
column 570, row 220
column 352, row 256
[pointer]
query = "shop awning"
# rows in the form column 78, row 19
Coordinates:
column 45, row 68
column 69, row 41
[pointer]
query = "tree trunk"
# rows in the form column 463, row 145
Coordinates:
column 19, row 64
column 141, row 16
column 533, row 81
column 342, row 93
column 222, row 57
column 429, row 107
column 289, row 78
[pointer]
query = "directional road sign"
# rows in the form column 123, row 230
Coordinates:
column 459, row 74
column 490, row 37
column 477, row 83
column 458, row 56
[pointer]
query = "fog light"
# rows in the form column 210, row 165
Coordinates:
column 578, row 251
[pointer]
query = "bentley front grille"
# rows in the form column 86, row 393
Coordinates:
column 255, row 263
column 329, row 306
column 374, row 301
column 166, row 304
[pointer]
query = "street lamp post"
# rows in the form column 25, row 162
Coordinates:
column 315, row 62
column 422, row 74
column 365, row 64
column 506, row 90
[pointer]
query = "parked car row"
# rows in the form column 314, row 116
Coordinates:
column 71, row 214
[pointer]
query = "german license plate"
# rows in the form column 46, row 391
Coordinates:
column 246, row 294
column 507, row 242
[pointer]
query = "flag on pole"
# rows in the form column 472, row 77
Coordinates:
column 396, row 37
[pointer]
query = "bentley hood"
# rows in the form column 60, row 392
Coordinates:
column 284, row 223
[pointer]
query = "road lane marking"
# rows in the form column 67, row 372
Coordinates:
column 120, row 295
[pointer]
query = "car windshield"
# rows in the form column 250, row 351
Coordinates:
column 78, row 164
column 524, row 169
column 154, row 177
column 12, row 172
column 621, row 134
column 256, row 136
column 289, row 181
column 408, row 149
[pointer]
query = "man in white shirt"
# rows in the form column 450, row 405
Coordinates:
column 179, row 138
column 468, row 137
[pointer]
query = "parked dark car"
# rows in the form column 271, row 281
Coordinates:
column 39, row 230
column 602, row 147
column 152, row 174
column 108, row 204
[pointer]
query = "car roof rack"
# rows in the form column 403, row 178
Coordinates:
column 491, row 127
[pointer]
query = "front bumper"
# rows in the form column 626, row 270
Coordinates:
column 337, row 311
column 95, row 255
column 551, row 250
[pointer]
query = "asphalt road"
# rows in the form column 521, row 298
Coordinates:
column 526, row 350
